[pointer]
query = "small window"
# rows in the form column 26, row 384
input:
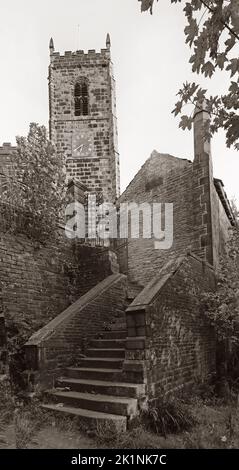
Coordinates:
column 81, row 99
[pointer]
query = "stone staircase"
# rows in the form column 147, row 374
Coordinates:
column 95, row 390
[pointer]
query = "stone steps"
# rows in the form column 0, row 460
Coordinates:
column 94, row 373
column 103, row 403
column 105, row 362
column 114, row 353
column 118, row 326
column 97, row 390
column 89, row 417
column 113, row 334
column 103, row 387
column 108, row 343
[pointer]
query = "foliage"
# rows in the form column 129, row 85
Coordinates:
column 6, row 400
column 169, row 415
column 6, row 406
column 109, row 437
column 212, row 32
column 36, row 191
column 234, row 208
column 222, row 306
column 24, row 430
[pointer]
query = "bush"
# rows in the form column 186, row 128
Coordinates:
column 168, row 415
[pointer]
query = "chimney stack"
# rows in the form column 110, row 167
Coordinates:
column 201, row 144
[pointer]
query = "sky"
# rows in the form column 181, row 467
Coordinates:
column 150, row 62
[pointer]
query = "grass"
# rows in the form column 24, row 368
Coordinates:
column 204, row 422
column 217, row 427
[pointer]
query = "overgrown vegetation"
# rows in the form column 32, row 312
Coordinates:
column 137, row 438
column 205, row 424
column 168, row 415
column 33, row 197
column 222, row 309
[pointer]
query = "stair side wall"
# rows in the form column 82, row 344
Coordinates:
column 169, row 337
column 39, row 281
column 64, row 340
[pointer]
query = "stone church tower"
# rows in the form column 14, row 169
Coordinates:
column 83, row 122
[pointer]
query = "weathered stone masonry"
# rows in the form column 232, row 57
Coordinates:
column 201, row 211
column 88, row 142
column 170, row 342
column 39, row 281
column 131, row 335
column 66, row 338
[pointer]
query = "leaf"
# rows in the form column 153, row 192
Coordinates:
column 191, row 31
column 233, row 66
column 188, row 10
column 230, row 43
column 208, row 69
column 234, row 87
column 232, row 133
column 186, row 122
column 235, row 15
column 221, row 59
column 147, row 5
column 201, row 95
column 178, row 108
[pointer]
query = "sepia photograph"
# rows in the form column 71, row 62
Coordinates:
column 119, row 232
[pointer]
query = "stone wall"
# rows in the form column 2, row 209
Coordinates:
column 221, row 224
column 6, row 164
column 39, row 281
column 170, row 342
column 63, row 341
column 3, row 343
column 175, row 186
column 89, row 143
column 200, row 222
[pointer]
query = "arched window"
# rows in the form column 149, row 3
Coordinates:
column 81, row 99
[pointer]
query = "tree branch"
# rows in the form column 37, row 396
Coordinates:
column 223, row 22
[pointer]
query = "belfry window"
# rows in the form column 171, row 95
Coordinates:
column 81, row 99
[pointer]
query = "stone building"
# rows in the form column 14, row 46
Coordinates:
column 201, row 212
column 83, row 122
column 135, row 329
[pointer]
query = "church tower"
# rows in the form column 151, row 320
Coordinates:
column 83, row 122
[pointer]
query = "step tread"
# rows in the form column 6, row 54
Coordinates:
column 98, row 382
column 109, row 339
column 114, row 331
column 96, row 369
column 93, row 397
column 104, row 359
column 103, row 349
column 85, row 413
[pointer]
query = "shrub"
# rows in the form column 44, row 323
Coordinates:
column 32, row 202
column 168, row 415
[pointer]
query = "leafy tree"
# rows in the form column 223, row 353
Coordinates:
column 235, row 209
column 222, row 309
column 36, row 191
column 222, row 306
column 212, row 32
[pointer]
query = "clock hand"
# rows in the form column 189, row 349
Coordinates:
column 80, row 148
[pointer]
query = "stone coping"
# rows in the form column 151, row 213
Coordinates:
column 45, row 332
column 152, row 289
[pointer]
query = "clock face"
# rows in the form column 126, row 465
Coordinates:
column 81, row 145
